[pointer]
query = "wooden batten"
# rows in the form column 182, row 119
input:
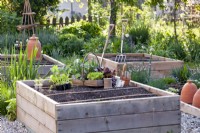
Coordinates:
column 186, row 108
column 167, row 65
column 116, row 107
column 31, row 123
column 159, row 129
column 153, row 90
column 41, row 101
column 36, row 113
column 56, row 62
column 119, row 122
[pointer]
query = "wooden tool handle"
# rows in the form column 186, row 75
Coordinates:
column 111, row 27
column 124, row 69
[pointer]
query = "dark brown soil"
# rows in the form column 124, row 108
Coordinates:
column 87, row 94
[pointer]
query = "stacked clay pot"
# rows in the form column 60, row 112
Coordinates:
column 188, row 91
column 34, row 43
column 196, row 99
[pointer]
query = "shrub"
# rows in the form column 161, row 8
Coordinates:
column 69, row 44
column 139, row 74
column 83, row 29
column 95, row 45
column 7, row 41
column 8, row 21
column 5, row 94
column 139, row 33
column 158, row 83
column 169, row 80
column 181, row 74
column 48, row 39
column 193, row 46
column 11, row 109
column 176, row 50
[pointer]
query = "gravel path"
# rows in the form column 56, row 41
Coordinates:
column 189, row 124
column 11, row 127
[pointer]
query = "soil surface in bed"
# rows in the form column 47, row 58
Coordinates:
column 88, row 94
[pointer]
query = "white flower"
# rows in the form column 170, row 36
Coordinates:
column 127, row 35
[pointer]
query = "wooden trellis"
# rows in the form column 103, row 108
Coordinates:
column 28, row 22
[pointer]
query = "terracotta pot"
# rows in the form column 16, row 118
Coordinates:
column 34, row 43
column 126, row 81
column 188, row 92
column 196, row 99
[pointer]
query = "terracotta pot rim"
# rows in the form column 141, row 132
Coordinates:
column 189, row 81
column 33, row 37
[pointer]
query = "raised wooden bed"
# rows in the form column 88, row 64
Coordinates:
column 160, row 66
column 118, row 113
column 45, row 64
column 184, row 107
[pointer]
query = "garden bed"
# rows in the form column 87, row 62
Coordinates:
column 84, row 110
column 184, row 107
column 45, row 64
column 160, row 66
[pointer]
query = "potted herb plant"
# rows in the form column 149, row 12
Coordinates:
column 60, row 79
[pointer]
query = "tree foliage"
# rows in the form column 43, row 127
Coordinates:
column 40, row 7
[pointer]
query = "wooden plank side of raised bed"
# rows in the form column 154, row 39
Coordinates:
column 119, row 122
column 116, row 107
column 152, row 89
column 50, row 59
column 159, row 129
column 109, row 55
column 41, row 101
column 186, row 108
column 109, row 63
column 155, row 57
column 166, row 65
column 160, row 73
column 30, row 122
column 36, row 113
column 44, row 69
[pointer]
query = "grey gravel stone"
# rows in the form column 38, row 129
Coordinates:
column 7, row 126
column 189, row 124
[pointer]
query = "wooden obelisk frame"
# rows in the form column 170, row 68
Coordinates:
column 28, row 22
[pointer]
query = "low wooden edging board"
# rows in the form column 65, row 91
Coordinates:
column 41, row 114
column 43, row 69
column 159, row 68
column 184, row 107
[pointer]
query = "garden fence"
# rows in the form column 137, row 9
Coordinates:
column 62, row 22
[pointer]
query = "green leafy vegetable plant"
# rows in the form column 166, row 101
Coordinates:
column 95, row 75
column 11, row 109
column 59, row 77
